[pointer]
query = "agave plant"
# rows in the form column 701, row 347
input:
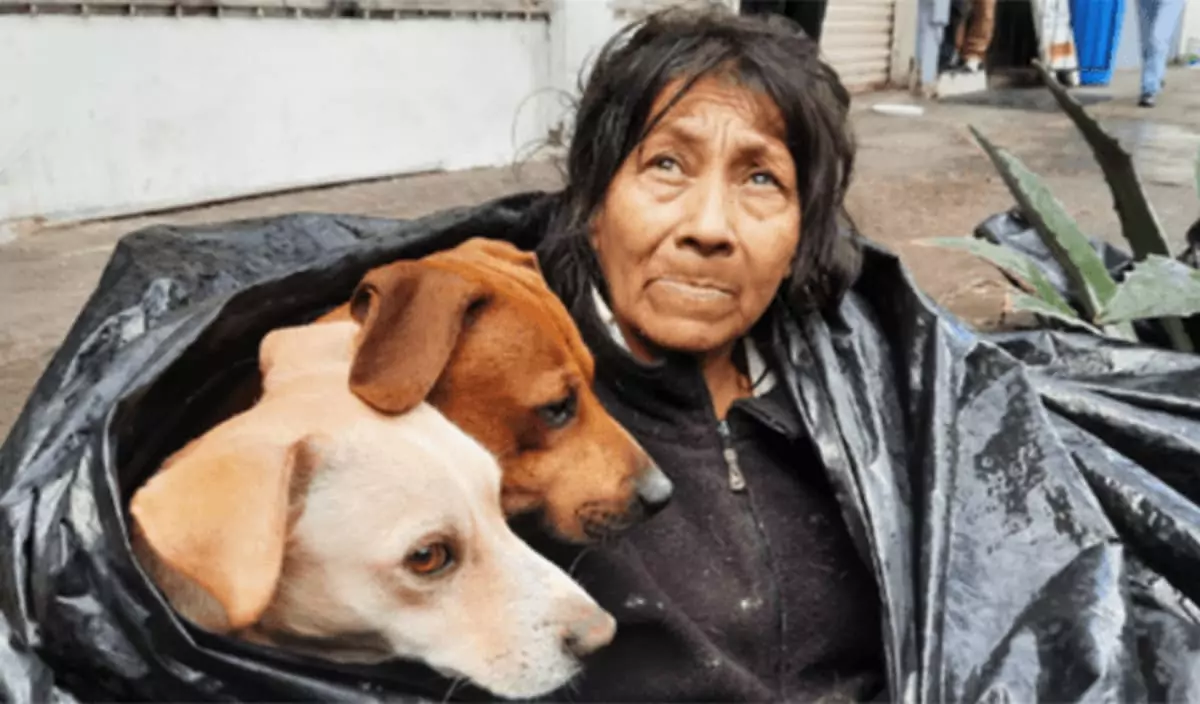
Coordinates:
column 1157, row 287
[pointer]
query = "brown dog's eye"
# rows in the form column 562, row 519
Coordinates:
column 558, row 414
column 429, row 560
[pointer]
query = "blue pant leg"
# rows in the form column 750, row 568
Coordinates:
column 1157, row 22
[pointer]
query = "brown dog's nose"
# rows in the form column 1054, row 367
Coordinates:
column 654, row 490
column 586, row 635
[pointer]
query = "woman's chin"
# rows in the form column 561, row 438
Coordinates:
column 692, row 336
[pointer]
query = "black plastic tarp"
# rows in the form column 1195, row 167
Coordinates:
column 1030, row 500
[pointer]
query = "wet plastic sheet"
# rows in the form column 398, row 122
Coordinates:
column 1034, row 527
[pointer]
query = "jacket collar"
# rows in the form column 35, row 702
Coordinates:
column 763, row 379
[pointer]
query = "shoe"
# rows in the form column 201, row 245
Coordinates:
column 971, row 65
column 1147, row 100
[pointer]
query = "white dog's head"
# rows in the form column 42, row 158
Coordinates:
column 314, row 523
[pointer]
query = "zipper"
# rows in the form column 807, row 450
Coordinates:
column 771, row 591
column 737, row 480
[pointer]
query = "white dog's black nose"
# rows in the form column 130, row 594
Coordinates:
column 654, row 490
column 586, row 635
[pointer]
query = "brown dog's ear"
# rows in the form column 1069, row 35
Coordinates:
column 218, row 514
column 411, row 315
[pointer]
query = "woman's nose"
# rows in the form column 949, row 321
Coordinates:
column 709, row 227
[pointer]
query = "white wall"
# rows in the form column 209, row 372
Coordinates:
column 1191, row 26
column 108, row 115
column 111, row 115
column 578, row 30
column 1129, row 43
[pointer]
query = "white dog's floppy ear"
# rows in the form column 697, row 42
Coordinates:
column 218, row 514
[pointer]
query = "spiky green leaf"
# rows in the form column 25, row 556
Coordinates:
column 1155, row 288
column 1038, row 306
column 1139, row 222
column 1085, row 270
column 1014, row 263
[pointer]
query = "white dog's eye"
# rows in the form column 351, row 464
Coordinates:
column 429, row 560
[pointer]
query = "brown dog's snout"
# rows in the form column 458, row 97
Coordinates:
column 654, row 490
column 589, row 633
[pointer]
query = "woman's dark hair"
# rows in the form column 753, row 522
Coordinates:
column 768, row 53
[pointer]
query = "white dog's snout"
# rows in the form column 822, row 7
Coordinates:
column 593, row 629
column 548, row 614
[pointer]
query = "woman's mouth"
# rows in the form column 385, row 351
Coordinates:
column 700, row 289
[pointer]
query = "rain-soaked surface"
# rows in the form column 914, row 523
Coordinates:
column 1163, row 153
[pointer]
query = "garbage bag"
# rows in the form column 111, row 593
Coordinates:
column 1029, row 501
column 1011, row 229
column 173, row 325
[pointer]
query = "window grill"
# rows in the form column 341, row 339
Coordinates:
column 355, row 9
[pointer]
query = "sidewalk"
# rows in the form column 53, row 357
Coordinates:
column 917, row 177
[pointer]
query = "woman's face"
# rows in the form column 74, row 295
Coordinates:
column 700, row 224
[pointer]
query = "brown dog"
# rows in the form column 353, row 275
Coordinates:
column 476, row 332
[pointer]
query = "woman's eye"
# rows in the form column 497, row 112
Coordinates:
column 558, row 414
column 429, row 560
column 763, row 178
column 665, row 163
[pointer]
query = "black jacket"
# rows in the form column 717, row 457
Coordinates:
column 1032, row 528
column 747, row 587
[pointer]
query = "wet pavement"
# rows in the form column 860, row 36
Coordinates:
column 917, row 177
column 1160, row 150
column 925, row 177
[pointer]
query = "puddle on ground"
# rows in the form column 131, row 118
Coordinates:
column 1163, row 153
column 1024, row 99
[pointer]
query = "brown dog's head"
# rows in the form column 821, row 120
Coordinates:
column 476, row 332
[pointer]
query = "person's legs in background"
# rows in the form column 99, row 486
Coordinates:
column 974, row 35
column 1157, row 22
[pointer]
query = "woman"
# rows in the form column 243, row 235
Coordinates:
column 708, row 166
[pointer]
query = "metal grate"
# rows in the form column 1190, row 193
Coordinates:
column 360, row 9
column 856, row 39
column 639, row 9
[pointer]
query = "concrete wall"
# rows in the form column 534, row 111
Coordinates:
column 1190, row 26
column 108, row 115
column 578, row 30
column 1129, row 44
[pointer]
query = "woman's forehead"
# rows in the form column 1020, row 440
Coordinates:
column 714, row 95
